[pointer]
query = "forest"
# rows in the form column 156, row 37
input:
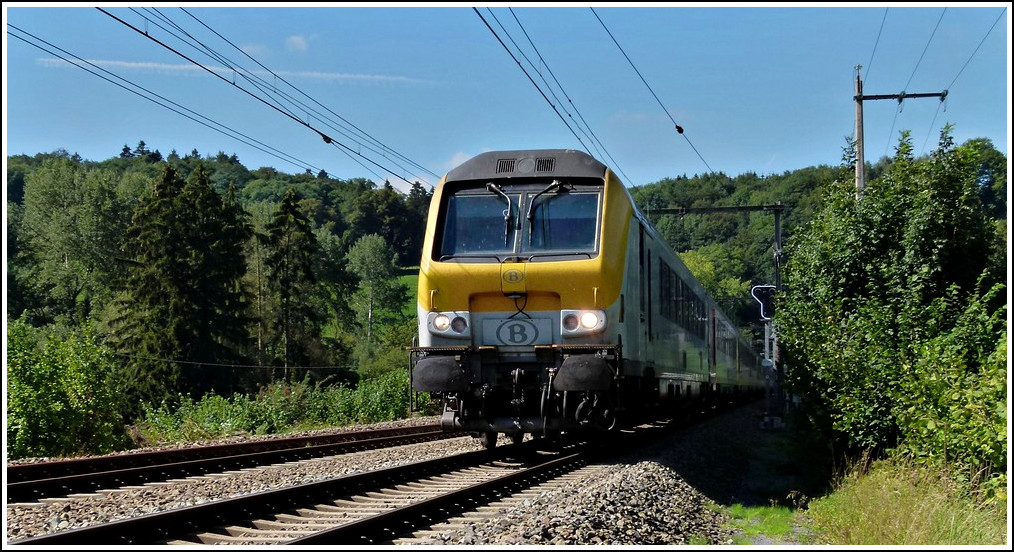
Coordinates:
column 146, row 279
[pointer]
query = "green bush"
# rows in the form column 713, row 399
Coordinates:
column 954, row 407
column 890, row 341
column 279, row 408
column 63, row 396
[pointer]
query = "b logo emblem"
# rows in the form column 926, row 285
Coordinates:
column 513, row 276
column 517, row 332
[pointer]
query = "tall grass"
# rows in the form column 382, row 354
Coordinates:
column 279, row 408
column 897, row 502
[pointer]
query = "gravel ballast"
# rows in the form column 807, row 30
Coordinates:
column 668, row 494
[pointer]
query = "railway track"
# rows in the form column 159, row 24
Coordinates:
column 61, row 478
column 393, row 505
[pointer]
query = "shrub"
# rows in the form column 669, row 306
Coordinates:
column 279, row 408
column 63, row 396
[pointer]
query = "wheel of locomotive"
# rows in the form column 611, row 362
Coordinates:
column 488, row 439
column 517, row 437
column 608, row 420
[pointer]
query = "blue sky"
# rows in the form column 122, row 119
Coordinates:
column 407, row 91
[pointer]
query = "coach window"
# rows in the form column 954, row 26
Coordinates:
column 564, row 222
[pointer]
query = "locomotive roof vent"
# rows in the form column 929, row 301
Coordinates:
column 546, row 164
column 525, row 165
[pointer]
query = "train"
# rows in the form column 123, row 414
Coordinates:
column 548, row 303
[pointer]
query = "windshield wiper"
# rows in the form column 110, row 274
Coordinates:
column 531, row 207
column 507, row 212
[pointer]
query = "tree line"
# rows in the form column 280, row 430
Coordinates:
column 203, row 276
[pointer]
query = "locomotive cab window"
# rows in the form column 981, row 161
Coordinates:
column 541, row 221
column 477, row 224
column 564, row 222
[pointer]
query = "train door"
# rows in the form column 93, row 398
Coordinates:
column 644, row 291
column 713, row 351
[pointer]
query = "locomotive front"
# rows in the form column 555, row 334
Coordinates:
column 519, row 294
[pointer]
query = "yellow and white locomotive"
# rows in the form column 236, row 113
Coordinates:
column 549, row 303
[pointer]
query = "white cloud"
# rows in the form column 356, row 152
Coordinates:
column 253, row 49
column 298, row 43
column 144, row 66
column 457, row 159
column 190, row 69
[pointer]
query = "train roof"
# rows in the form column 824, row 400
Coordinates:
column 528, row 163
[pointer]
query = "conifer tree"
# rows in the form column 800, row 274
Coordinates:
column 214, row 230
column 147, row 327
column 182, row 313
column 291, row 248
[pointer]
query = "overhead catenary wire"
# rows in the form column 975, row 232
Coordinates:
column 679, row 129
column 914, row 69
column 352, row 126
column 580, row 122
column 327, row 139
column 192, row 115
column 230, row 66
column 586, row 130
column 525, row 71
column 272, row 90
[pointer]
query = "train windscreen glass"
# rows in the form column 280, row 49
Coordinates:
column 561, row 222
column 478, row 224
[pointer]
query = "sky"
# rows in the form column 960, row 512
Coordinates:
column 404, row 92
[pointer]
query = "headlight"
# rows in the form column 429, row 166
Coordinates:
column 449, row 324
column 574, row 323
column 441, row 322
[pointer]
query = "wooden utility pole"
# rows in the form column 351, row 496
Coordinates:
column 859, row 97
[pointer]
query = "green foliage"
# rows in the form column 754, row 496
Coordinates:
column 279, row 408
column 182, row 304
column 924, row 506
column 888, row 341
column 713, row 265
column 63, row 397
column 739, row 246
column 71, row 224
column 381, row 295
column 385, row 212
column 290, row 249
column 754, row 522
column 953, row 407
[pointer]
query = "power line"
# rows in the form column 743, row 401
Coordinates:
column 925, row 48
column 584, row 130
column 914, row 69
column 250, row 77
column 327, row 139
column 587, row 128
column 245, row 139
column 977, row 47
column 223, row 365
column 679, row 129
column 363, row 133
column 969, row 60
column 541, row 92
column 875, row 44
